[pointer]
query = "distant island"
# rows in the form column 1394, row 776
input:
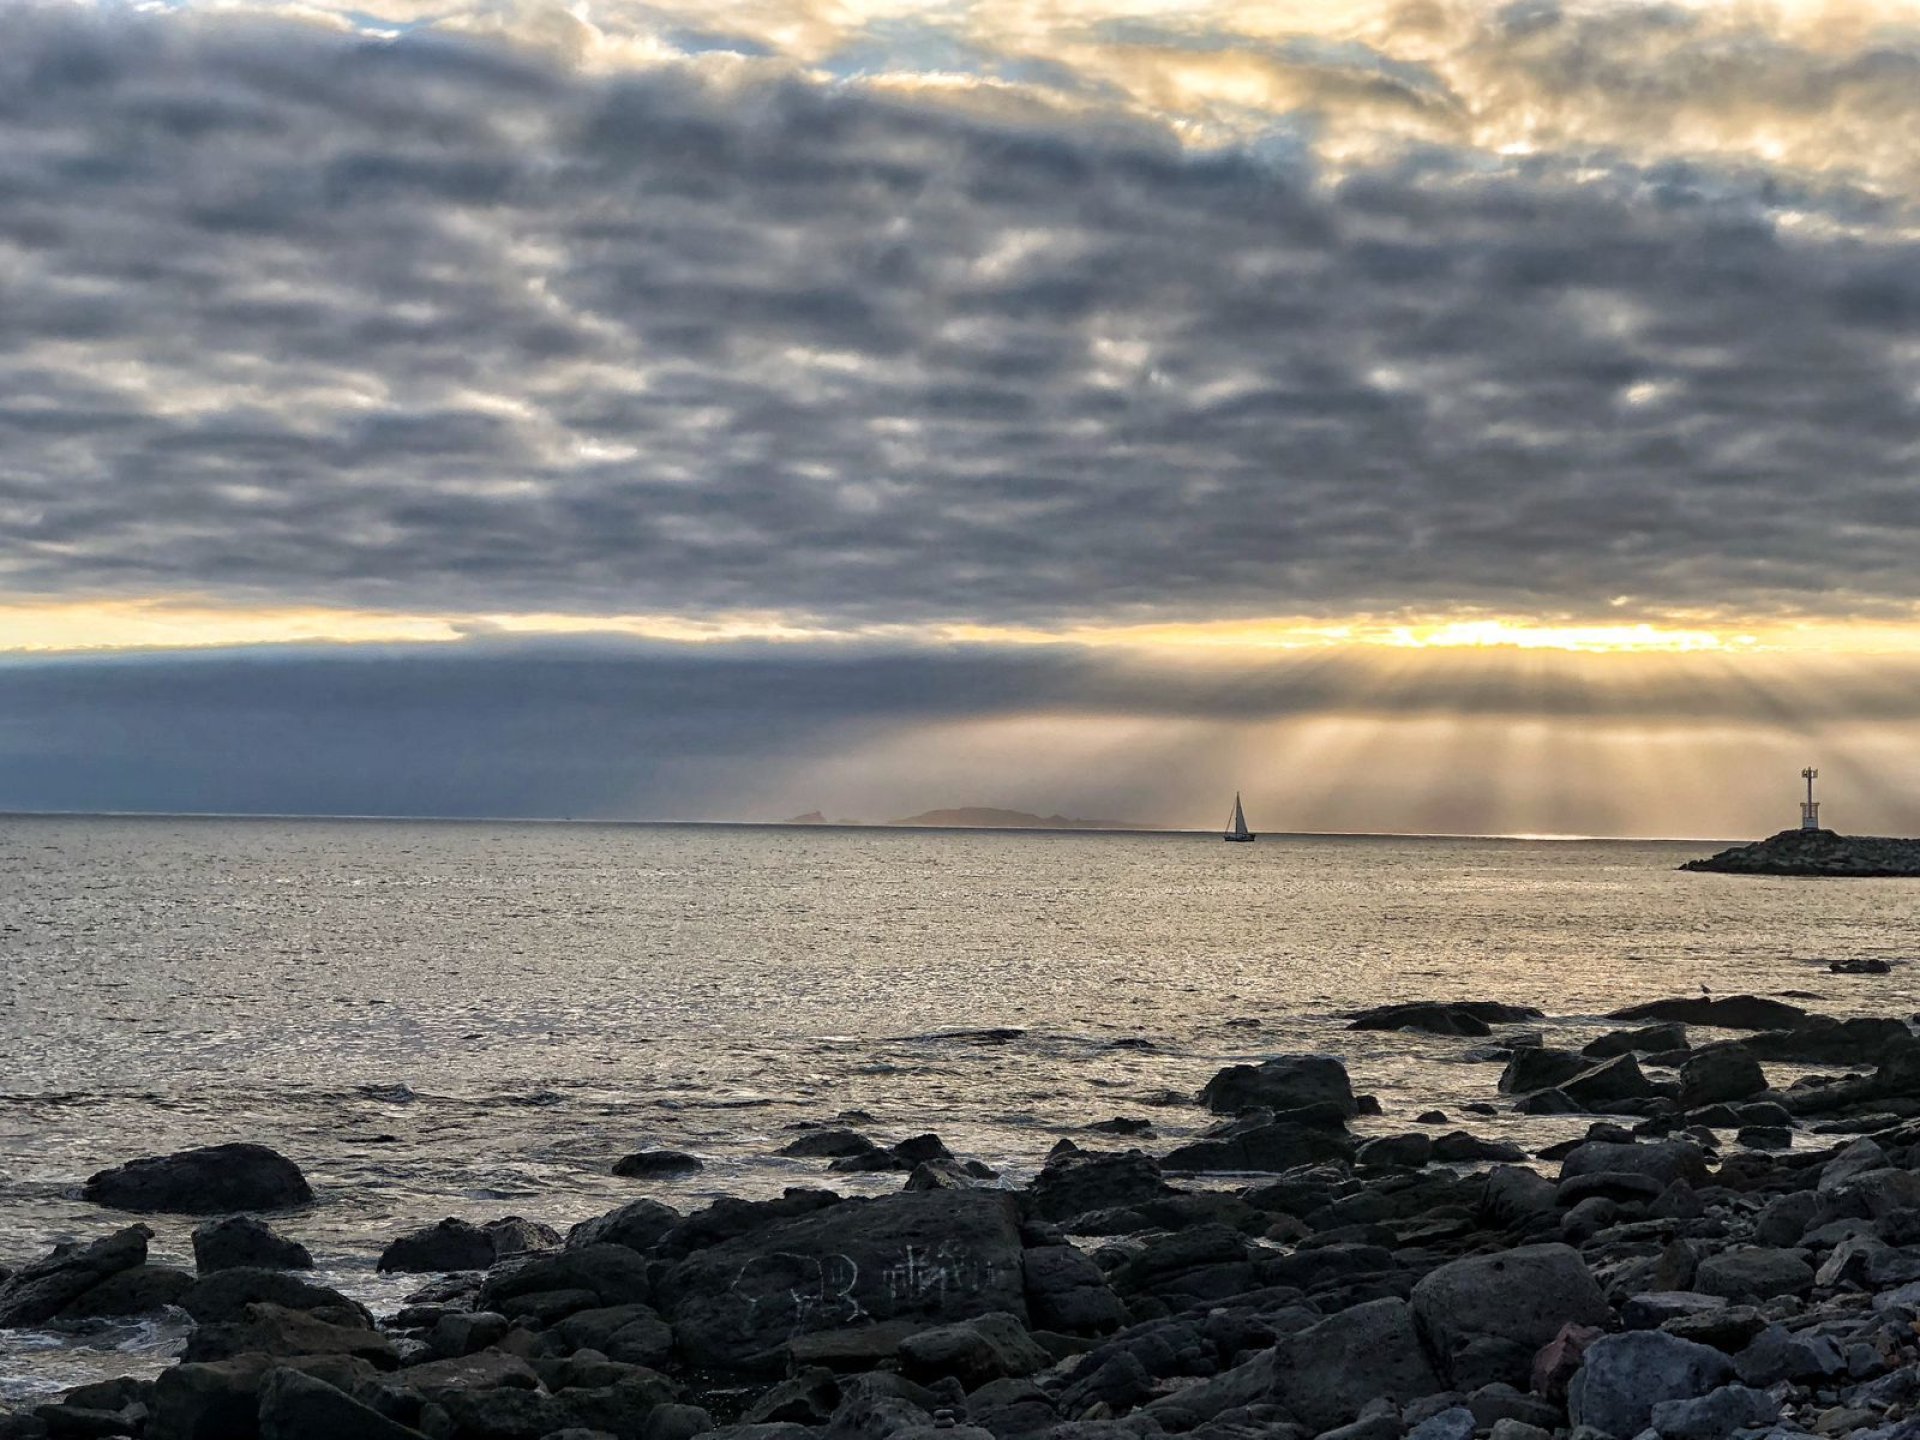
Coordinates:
column 1817, row 852
column 986, row 817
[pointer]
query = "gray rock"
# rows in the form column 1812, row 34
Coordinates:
column 242, row 1240
column 1786, row 1218
column 1609, row 1083
column 1622, row 1378
column 1645, row 1040
column 1273, row 1147
column 630, row 1334
column 651, row 1164
column 1456, row 1423
column 1283, row 1082
column 1513, row 1195
column 1411, row 1151
column 987, row 1347
column 1753, row 1273
column 1855, row 1159
column 601, row 1275
column 1326, row 1373
column 136, row 1291
column 206, row 1181
column 265, row 1329
column 1655, row 1308
column 1519, row 1298
column 1715, row 1415
column 1538, row 1067
column 1078, row 1182
column 36, row 1293
column 1777, row 1354
column 827, row 1145
column 932, row 1256
column 1518, row 1430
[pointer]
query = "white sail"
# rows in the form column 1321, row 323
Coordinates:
column 1238, row 825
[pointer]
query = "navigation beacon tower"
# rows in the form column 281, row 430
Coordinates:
column 1809, row 807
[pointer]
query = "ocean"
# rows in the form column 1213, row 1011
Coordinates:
column 478, row 1019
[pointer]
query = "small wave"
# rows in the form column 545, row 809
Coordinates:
column 398, row 1094
column 990, row 1035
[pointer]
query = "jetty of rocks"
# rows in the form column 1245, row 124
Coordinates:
column 1724, row 1254
column 1817, row 852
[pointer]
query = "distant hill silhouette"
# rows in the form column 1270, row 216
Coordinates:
column 986, row 817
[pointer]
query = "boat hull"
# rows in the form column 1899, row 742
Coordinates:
column 1239, row 839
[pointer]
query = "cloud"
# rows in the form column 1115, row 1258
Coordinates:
column 444, row 324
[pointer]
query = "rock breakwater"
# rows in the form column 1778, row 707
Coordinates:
column 1817, row 852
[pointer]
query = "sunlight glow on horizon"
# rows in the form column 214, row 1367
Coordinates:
column 187, row 622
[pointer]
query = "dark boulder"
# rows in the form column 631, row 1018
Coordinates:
column 1274, row 1146
column 1283, row 1082
column 1484, row 1317
column 448, row 1244
column 1540, row 1067
column 294, row 1406
column 242, row 1240
column 988, row 1347
column 1664, row 1161
column 651, row 1164
column 266, row 1329
column 36, row 1293
column 225, row 1295
column 137, row 1291
column 1610, row 1083
column 1430, row 1016
column 1078, row 1182
column 728, row 1218
column 1822, row 1040
column 591, row 1276
column 827, row 1145
column 638, row 1225
column 207, row 1181
column 1731, row 1012
column 1718, row 1075
column 1068, row 1293
column 933, row 1256
column 1646, row 1040
column 1327, row 1373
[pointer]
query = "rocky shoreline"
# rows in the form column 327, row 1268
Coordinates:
column 1817, row 852
column 1722, row 1254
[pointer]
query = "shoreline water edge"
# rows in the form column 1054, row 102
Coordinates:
column 1720, row 1253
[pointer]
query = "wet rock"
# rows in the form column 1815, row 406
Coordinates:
column 1484, row 1317
column 1718, row 1075
column 1823, row 1040
column 1429, row 1016
column 461, row 1332
column 1730, row 1012
column 1068, row 1293
column 1753, row 1273
column 653, row 1164
column 1622, row 1377
column 935, row 1257
column 242, row 1240
column 1547, row 1102
column 1458, row 1148
column 1408, row 1151
column 224, row 1296
column 1540, row 1068
column 729, row 1218
column 1765, row 1137
column 36, row 1293
column 1275, row 1146
column 1644, row 1040
column 449, row 1244
column 1283, row 1082
column 1715, row 1415
column 136, row 1291
column 202, row 1182
column 1610, row 1083
column 1122, row 1125
column 1078, row 1182
column 827, row 1145
column 484, row 1370
column 638, row 1225
column 994, row 1346
column 1431, row 1117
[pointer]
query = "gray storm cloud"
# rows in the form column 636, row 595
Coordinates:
column 300, row 314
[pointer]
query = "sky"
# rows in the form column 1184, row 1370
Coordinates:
column 1438, row 415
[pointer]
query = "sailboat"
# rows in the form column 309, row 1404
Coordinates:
column 1237, row 827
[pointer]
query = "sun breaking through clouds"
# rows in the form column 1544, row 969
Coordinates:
column 1300, row 334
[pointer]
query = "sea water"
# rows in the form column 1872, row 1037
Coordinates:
column 478, row 1019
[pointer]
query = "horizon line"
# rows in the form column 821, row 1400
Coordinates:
column 638, row 822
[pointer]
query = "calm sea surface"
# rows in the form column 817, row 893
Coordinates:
column 478, row 1019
